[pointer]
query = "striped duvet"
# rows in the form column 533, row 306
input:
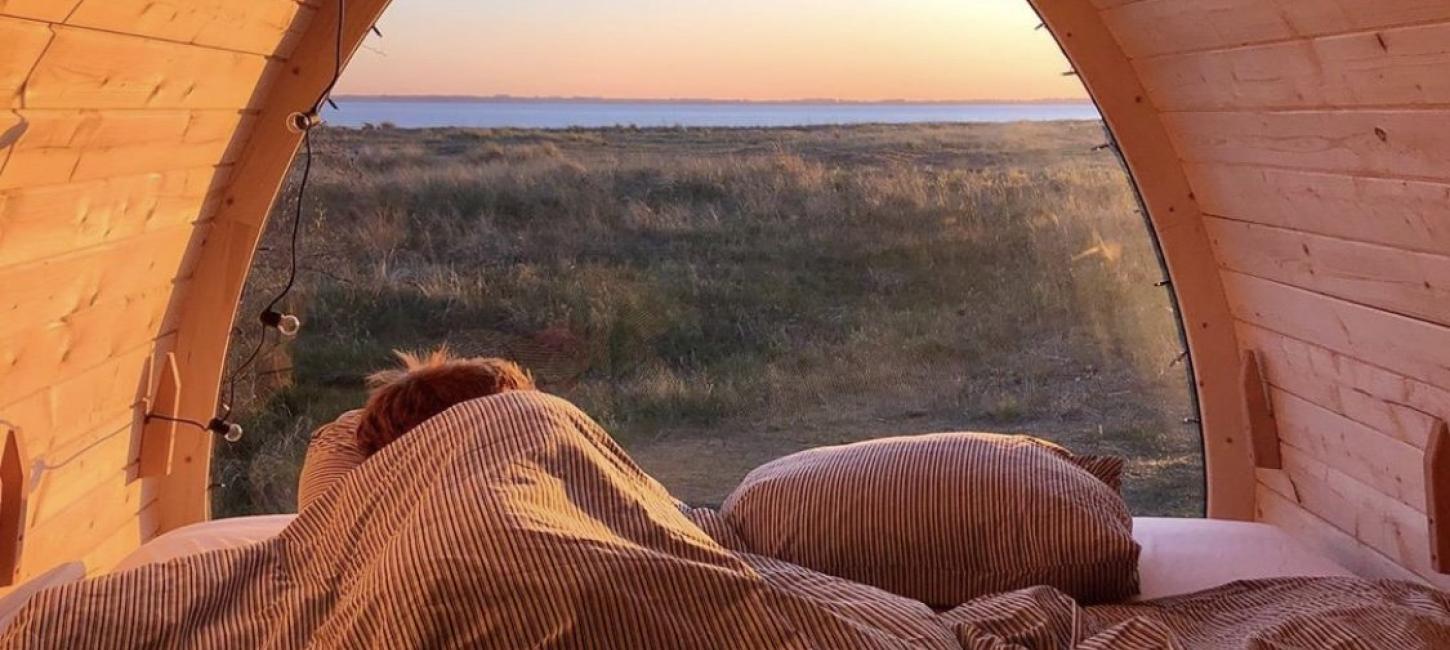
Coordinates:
column 514, row 521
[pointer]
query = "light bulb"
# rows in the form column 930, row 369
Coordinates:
column 289, row 325
column 303, row 122
column 234, row 432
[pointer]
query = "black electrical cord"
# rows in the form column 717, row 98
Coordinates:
column 269, row 317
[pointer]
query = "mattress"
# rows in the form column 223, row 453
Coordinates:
column 1180, row 556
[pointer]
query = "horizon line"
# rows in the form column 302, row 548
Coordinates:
column 504, row 98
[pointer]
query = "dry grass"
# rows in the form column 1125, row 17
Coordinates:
column 718, row 297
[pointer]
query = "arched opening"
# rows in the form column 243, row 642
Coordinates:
column 722, row 296
column 1290, row 155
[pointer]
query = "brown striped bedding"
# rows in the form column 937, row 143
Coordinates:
column 945, row 518
column 331, row 453
column 514, row 521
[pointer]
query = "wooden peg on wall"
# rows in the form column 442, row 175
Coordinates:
column 1259, row 414
column 1437, row 495
column 14, row 485
column 158, row 437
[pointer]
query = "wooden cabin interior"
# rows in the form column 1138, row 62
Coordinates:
column 1293, row 157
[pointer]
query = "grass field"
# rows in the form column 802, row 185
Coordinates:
column 721, row 297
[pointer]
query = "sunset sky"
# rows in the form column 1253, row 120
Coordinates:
column 717, row 49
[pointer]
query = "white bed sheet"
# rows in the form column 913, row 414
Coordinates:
column 1182, row 556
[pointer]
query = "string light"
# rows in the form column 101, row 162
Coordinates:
column 287, row 325
column 230, row 431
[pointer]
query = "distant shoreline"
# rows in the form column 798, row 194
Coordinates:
column 510, row 99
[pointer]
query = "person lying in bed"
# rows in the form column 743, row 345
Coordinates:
column 403, row 398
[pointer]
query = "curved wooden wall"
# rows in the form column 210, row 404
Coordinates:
column 141, row 143
column 1313, row 137
column 1292, row 153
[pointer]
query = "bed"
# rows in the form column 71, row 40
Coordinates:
column 521, row 524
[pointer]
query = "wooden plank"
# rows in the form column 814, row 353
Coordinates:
column 21, row 43
column 47, row 10
column 1413, row 215
column 42, row 222
column 1392, row 404
column 1403, row 282
column 1410, row 144
column 69, row 473
column 118, row 545
column 87, row 69
column 88, row 522
column 1393, row 67
column 1156, row 27
column 256, row 26
column 73, row 146
column 58, row 289
column 1263, row 428
column 1437, row 496
column 1392, row 467
column 158, row 437
column 1328, row 540
column 1382, row 524
column 54, row 351
column 70, row 411
column 1407, row 346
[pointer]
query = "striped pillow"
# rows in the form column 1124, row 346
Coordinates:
column 332, row 453
column 945, row 518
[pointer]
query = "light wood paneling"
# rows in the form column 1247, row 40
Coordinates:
column 21, row 43
column 1411, row 215
column 1390, row 466
column 256, row 27
column 80, row 528
column 47, row 10
column 74, row 146
column 51, row 352
column 1326, row 539
column 88, row 69
column 64, row 475
column 74, row 411
column 121, row 543
column 117, row 134
column 1407, row 346
column 1394, row 67
column 1412, row 284
column 1384, row 525
column 1164, row 26
column 42, row 222
column 1411, row 144
column 57, row 289
column 1392, row 404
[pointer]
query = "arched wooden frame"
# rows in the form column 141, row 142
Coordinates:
column 205, row 322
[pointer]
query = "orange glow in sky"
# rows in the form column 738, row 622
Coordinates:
column 717, row 49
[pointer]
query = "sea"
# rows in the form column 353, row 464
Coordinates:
column 597, row 114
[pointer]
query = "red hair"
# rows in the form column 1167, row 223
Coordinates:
column 426, row 386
